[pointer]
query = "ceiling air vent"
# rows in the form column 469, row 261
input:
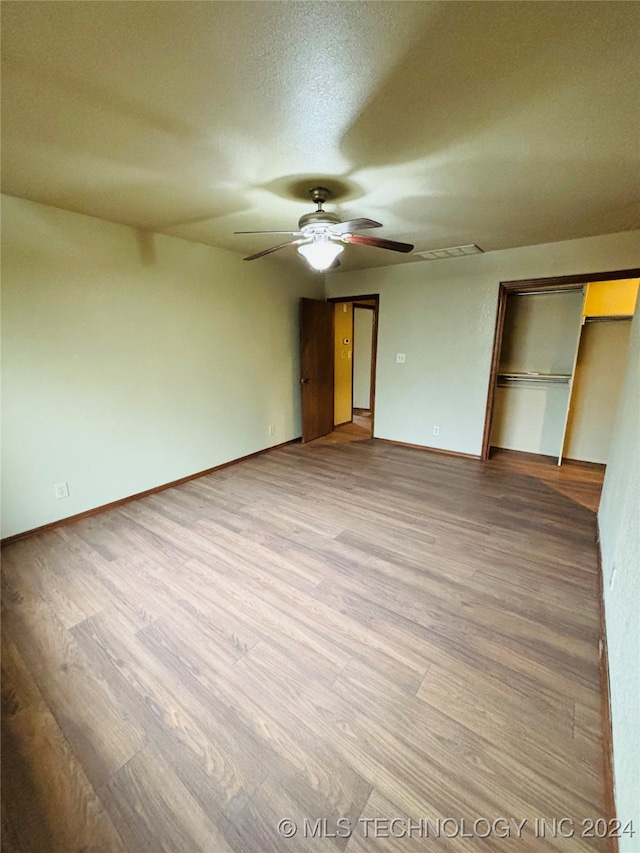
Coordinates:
column 453, row 252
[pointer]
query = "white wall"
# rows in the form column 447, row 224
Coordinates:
column 442, row 315
column 132, row 359
column 619, row 520
column 362, row 343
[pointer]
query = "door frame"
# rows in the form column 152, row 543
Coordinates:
column 531, row 285
column 374, row 344
column 372, row 367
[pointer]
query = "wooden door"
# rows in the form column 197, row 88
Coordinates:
column 316, row 367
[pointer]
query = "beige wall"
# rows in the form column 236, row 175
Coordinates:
column 600, row 372
column 130, row 360
column 620, row 544
column 441, row 314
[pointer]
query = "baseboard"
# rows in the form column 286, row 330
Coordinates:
column 552, row 460
column 605, row 704
column 538, row 456
column 121, row 501
column 602, row 465
column 440, row 450
column 344, row 423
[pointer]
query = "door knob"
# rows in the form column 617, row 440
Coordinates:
column 305, row 381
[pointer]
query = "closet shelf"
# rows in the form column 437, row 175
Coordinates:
column 542, row 378
column 606, row 318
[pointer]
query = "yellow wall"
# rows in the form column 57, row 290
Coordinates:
column 343, row 354
column 606, row 298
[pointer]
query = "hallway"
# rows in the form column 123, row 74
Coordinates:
column 360, row 429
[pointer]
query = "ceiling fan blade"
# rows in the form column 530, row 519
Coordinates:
column 295, row 233
column 380, row 242
column 353, row 225
column 267, row 251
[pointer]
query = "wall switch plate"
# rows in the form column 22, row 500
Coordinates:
column 436, row 430
column 272, row 429
column 61, row 490
column 401, row 357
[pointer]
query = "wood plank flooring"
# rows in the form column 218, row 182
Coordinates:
column 332, row 631
column 358, row 429
column 580, row 481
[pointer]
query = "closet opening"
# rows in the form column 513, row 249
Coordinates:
column 560, row 355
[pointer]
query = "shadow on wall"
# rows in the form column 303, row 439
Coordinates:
column 146, row 247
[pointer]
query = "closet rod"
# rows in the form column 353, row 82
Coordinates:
column 537, row 378
column 544, row 292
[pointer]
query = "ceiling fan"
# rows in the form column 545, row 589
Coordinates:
column 321, row 235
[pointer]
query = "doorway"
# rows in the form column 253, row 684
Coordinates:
column 327, row 348
column 355, row 345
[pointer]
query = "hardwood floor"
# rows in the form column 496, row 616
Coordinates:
column 580, row 481
column 363, row 418
column 358, row 430
column 350, row 630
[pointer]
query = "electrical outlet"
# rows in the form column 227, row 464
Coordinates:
column 272, row 429
column 400, row 357
column 61, row 490
column 436, row 430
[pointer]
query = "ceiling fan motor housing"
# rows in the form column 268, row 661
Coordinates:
column 317, row 218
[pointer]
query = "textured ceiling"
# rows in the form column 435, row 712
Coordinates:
column 501, row 124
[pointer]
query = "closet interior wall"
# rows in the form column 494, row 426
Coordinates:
column 597, row 385
column 600, row 370
column 537, row 360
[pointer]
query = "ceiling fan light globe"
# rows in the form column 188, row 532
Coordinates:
column 320, row 255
